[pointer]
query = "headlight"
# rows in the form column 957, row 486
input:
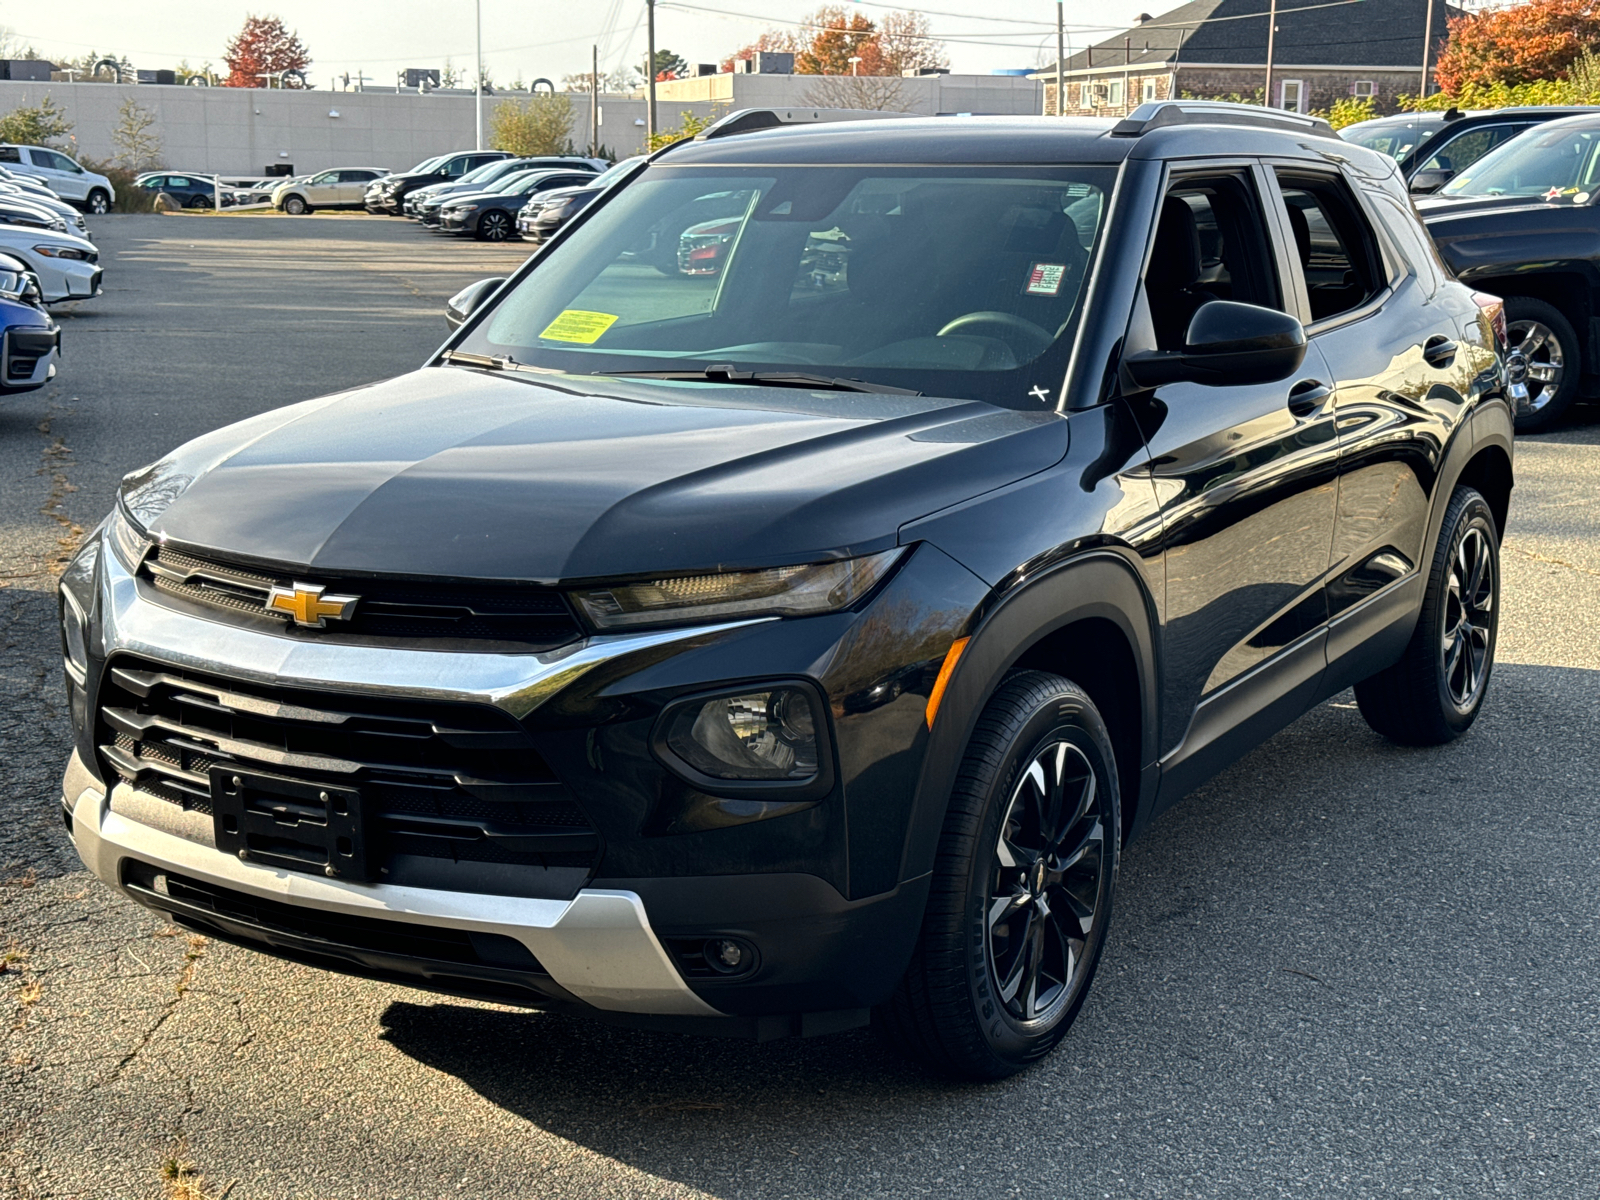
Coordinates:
column 774, row 592
column 77, row 602
column 61, row 252
column 464, row 208
column 128, row 541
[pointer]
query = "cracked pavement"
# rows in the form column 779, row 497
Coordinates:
column 1340, row 969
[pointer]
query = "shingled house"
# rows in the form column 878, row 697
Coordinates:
column 1217, row 49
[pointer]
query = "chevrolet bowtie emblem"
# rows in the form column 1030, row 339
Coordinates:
column 305, row 604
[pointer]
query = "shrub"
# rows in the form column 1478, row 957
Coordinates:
column 540, row 124
column 129, row 198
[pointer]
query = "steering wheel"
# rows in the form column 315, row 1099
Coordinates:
column 1035, row 340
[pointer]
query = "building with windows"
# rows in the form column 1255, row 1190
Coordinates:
column 1322, row 51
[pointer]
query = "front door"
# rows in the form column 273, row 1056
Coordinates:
column 64, row 176
column 1247, row 478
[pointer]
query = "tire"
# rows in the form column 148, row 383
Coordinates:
column 295, row 206
column 99, row 202
column 981, row 1000
column 198, row 202
column 1555, row 360
column 493, row 226
column 1436, row 690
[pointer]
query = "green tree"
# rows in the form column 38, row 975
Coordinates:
column 670, row 65
column 41, row 124
column 541, row 124
column 135, row 137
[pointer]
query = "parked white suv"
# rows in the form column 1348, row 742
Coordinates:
column 65, row 177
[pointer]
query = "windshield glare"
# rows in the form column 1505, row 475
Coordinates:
column 957, row 281
column 1558, row 164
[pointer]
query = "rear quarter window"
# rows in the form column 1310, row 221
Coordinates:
column 1407, row 238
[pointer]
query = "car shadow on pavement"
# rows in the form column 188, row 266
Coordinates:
column 1263, row 926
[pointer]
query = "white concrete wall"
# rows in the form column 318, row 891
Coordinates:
column 240, row 131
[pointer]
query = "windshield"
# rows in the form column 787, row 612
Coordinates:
column 427, row 164
column 613, row 173
column 1556, row 164
column 517, row 180
column 954, row 281
column 1396, row 140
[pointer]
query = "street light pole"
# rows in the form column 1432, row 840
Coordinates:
column 594, row 100
column 650, row 70
column 477, row 8
column 1061, row 58
column 1427, row 46
column 1272, row 29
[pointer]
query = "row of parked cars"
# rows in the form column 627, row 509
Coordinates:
column 46, row 256
column 1511, row 198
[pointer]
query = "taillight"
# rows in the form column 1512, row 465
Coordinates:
column 1494, row 309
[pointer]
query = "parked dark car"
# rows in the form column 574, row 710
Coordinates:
column 744, row 655
column 426, row 210
column 548, row 211
column 390, row 192
column 30, row 341
column 1524, row 223
column 1432, row 148
column 492, row 216
column 190, row 191
column 485, row 177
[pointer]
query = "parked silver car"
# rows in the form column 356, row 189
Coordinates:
column 345, row 187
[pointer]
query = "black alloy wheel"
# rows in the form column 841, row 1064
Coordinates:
column 198, row 202
column 494, row 226
column 1434, row 693
column 1549, row 345
column 1022, row 887
column 99, row 203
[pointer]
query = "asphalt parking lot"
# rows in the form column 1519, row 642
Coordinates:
column 1341, row 969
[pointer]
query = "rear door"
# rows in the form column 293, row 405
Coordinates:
column 1401, row 378
column 1247, row 479
column 353, row 186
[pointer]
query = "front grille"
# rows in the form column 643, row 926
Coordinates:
column 447, row 781
column 523, row 617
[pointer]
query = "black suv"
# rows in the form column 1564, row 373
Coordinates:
column 388, row 194
column 758, row 650
column 1433, row 148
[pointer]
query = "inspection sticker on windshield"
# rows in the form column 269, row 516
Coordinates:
column 575, row 325
column 1045, row 279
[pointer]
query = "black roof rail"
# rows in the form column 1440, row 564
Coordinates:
column 748, row 120
column 1159, row 114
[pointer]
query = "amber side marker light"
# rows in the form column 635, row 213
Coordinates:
column 951, row 657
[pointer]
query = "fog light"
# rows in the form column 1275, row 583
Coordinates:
column 768, row 734
column 728, row 956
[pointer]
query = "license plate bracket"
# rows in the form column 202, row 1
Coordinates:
column 290, row 823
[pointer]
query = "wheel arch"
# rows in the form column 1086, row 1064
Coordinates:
column 1090, row 620
column 1489, row 471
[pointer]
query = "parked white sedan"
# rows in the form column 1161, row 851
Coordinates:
column 68, row 267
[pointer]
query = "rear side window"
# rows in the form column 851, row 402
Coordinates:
column 1410, row 241
column 10, row 154
column 1462, row 151
column 356, row 176
column 1335, row 249
column 177, row 181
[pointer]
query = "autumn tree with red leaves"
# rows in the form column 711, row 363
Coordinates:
column 829, row 37
column 1538, row 39
column 265, row 46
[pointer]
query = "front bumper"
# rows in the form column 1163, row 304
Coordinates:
column 597, row 948
column 455, row 222
column 821, row 896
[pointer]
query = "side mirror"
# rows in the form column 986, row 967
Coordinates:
column 468, row 300
column 1227, row 343
column 1424, row 183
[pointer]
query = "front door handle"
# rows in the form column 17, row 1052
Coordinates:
column 1439, row 351
column 1307, row 396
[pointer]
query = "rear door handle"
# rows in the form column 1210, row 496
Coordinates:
column 1439, row 351
column 1307, row 396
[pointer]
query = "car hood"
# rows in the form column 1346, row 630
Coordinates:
column 461, row 472
column 1435, row 208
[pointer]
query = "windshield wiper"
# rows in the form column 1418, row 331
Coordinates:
column 491, row 362
column 725, row 373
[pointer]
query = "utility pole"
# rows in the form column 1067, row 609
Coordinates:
column 1272, row 29
column 477, row 8
column 594, row 100
column 1427, row 46
column 1061, row 58
column 650, row 69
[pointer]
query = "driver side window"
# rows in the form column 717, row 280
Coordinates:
column 1210, row 244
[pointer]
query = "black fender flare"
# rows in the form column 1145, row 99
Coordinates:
column 1101, row 583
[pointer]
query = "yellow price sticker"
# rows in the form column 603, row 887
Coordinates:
column 575, row 325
